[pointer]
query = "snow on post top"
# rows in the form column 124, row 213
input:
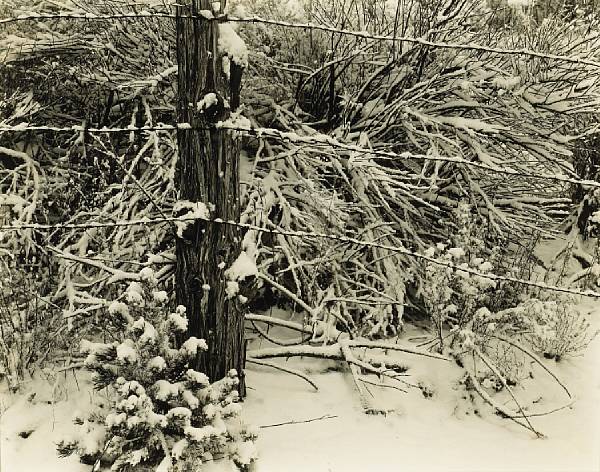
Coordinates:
column 231, row 45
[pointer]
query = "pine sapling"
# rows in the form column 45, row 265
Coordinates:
column 161, row 413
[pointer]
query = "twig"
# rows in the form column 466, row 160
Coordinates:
column 536, row 359
column 96, row 465
column 278, row 322
column 490, row 401
column 297, row 373
column 116, row 273
column 376, row 384
column 500, row 377
column 80, row 365
column 545, row 413
column 320, row 418
column 274, row 340
column 313, row 312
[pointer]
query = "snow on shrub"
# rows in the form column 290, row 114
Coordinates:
column 557, row 328
column 467, row 317
column 453, row 296
column 162, row 413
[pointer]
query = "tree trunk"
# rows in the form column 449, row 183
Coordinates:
column 207, row 172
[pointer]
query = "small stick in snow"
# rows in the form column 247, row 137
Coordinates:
column 377, row 384
column 546, row 413
column 324, row 417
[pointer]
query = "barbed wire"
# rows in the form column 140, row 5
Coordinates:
column 319, row 140
column 24, row 127
column 87, row 16
column 305, row 234
column 311, row 26
column 327, row 140
column 424, row 42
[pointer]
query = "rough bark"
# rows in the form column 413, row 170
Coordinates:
column 208, row 173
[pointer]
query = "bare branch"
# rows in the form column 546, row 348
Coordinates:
column 295, row 372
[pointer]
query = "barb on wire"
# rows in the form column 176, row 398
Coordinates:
column 306, row 234
column 318, row 140
column 208, row 16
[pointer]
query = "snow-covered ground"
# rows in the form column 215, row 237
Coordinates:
column 440, row 433
column 422, row 434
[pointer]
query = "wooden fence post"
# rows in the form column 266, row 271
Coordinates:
column 208, row 173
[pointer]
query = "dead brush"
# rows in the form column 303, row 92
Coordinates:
column 28, row 324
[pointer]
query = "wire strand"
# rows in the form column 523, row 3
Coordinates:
column 320, row 140
column 306, row 234
column 310, row 26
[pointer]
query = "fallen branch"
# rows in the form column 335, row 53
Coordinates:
column 297, row 373
column 333, row 352
column 496, row 406
column 536, row 359
column 388, row 364
column 342, row 351
column 500, row 377
column 354, row 363
column 326, row 352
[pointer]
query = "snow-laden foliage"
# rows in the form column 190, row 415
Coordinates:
column 453, row 297
column 158, row 411
column 557, row 329
column 502, row 111
column 471, row 311
column 487, row 109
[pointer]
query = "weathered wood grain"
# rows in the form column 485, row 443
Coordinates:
column 207, row 172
